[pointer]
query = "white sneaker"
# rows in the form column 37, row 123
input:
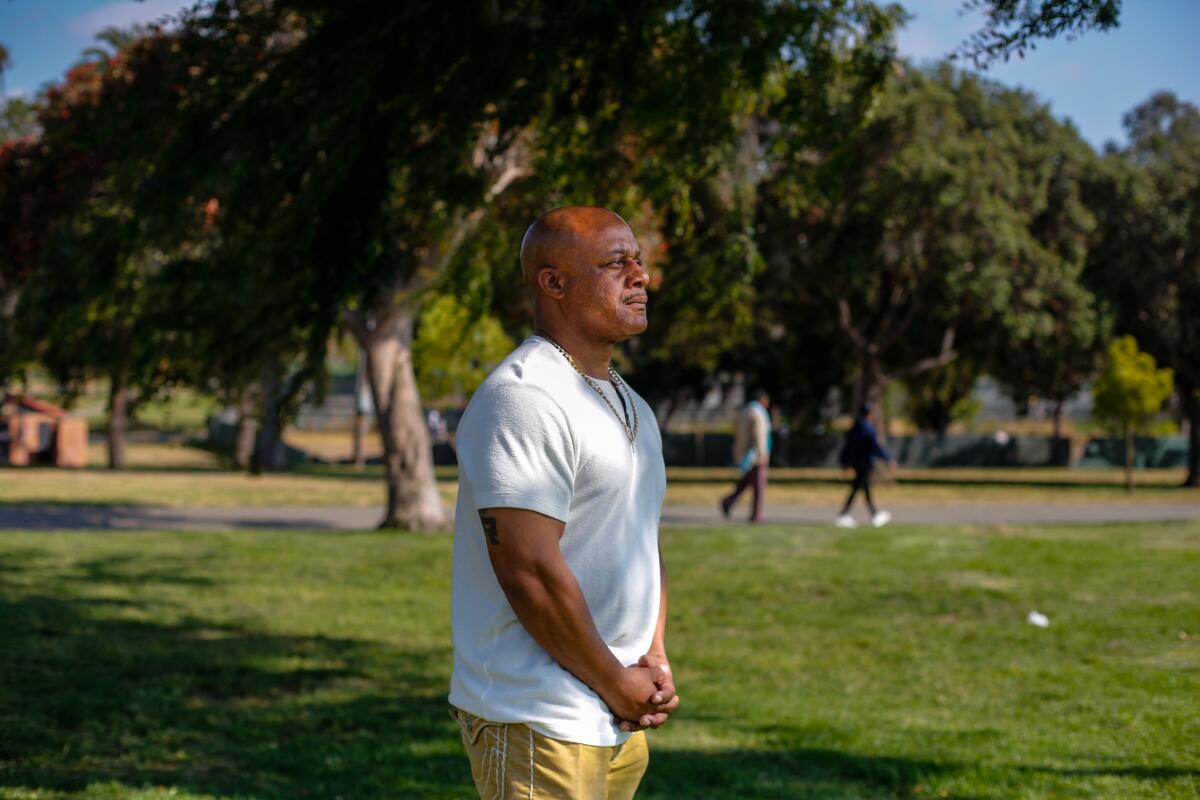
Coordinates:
column 881, row 518
column 845, row 521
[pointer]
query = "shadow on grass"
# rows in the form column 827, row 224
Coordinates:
column 124, row 517
column 370, row 472
column 798, row 773
column 96, row 691
column 806, row 773
column 173, row 469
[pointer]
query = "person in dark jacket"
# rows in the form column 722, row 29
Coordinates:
column 860, row 450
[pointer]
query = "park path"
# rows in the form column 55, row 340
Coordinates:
column 132, row 518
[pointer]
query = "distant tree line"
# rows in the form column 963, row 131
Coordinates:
column 206, row 204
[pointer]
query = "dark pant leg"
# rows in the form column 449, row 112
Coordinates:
column 862, row 480
column 853, row 491
column 760, row 491
column 743, row 483
column 866, row 488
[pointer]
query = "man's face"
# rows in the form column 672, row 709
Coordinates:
column 606, row 283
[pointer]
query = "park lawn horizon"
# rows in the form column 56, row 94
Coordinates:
column 180, row 476
column 813, row 663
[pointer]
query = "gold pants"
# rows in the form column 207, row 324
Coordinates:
column 511, row 761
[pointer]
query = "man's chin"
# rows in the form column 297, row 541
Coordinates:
column 635, row 326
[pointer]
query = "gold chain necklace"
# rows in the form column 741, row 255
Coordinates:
column 630, row 433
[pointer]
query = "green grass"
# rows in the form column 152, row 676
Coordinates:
column 813, row 663
column 180, row 476
column 188, row 488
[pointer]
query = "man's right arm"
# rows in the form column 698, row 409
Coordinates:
column 524, row 550
column 877, row 448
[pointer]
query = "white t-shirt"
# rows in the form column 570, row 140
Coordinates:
column 536, row 436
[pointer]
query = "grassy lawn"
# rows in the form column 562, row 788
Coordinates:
column 179, row 476
column 183, row 488
column 813, row 663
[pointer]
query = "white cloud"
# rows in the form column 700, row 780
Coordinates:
column 122, row 14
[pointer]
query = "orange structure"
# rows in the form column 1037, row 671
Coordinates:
column 35, row 432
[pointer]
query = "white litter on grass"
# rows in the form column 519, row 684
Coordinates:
column 1039, row 619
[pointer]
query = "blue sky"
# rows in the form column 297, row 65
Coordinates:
column 45, row 37
column 1093, row 80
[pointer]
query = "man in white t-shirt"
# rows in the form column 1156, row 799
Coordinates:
column 559, row 600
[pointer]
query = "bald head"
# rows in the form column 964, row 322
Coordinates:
column 556, row 237
column 584, row 269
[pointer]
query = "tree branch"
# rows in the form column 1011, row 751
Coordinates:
column 947, row 354
column 847, row 324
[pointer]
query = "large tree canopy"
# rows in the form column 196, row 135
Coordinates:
column 301, row 165
column 1146, row 255
column 951, row 221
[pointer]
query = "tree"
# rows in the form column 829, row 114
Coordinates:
column 112, row 42
column 708, row 263
column 1057, row 358
column 453, row 352
column 941, row 396
column 1145, row 257
column 86, row 306
column 358, row 152
column 1055, row 332
column 1129, row 391
column 1014, row 26
column 924, row 233
column 18, row 120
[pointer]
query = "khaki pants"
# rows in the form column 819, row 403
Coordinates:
column 511, row 761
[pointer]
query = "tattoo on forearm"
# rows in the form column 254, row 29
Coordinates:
column 489, row 529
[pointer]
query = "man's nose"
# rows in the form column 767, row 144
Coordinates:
column 638, row 276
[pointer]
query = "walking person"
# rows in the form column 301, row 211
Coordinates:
column 752, row 453
column 860, row 450
column 559, row 600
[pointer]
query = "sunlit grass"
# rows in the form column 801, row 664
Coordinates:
column 813, row 663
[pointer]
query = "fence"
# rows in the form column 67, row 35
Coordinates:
column 919, row 450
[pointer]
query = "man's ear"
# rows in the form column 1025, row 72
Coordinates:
column 550, row 280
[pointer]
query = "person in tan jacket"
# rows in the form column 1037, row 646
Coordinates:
column 752, row 453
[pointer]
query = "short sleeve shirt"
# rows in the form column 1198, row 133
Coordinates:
column 536, row 436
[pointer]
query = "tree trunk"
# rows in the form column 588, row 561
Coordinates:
column 870, row 385
column 1058, row 419
column 1129, row 445
column 269, row 452
column 118, row 423
column 247, row 432
column 1191, row 412
column 412, row 495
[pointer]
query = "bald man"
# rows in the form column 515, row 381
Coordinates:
column 559, row 601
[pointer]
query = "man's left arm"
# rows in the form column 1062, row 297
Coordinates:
column 656, row 657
